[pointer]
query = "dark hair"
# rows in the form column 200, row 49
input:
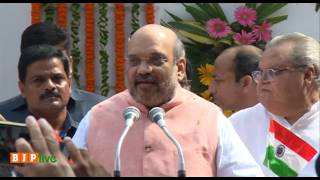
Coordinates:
column 186, row 82
column 44, row 33
column 245, row 62
column 189, row 71
column 36, row 53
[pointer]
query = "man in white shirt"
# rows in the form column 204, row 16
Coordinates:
column 233, row 87
column 282, row 131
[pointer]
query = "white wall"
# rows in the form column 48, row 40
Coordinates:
column 14, row 18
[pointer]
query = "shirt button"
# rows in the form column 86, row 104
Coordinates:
column 148, row 148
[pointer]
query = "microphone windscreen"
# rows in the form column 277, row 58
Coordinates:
column 131, row 111
column 156, row 113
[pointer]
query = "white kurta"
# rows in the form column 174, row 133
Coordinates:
column 252, row 125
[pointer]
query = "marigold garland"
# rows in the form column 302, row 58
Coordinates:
column 119, row 45
column 35, row 13
column 103, row 33
column 62, row 15
column 75, row 39
column 149, row 10
column 89, row 46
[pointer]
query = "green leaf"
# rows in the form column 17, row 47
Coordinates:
column 197, row 14
column 192, row 27
column 252, row 5
column 225, row 41
column 174, row 17
column 267, row 9
column 211, row 11
column 277, row 19
column 163, row 23
column 198, row 38
column 219, row 10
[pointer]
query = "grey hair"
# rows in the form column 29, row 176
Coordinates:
column 178, row 50
column 306, row 50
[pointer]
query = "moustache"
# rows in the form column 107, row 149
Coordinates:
column 145, row 79
column 49, row 95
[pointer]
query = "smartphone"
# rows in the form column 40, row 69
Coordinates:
column 9, row 133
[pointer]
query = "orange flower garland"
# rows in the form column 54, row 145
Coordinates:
column 89, row 46
column 35, row 13
column 62, row 14
column 149, row 9
column 119, row 45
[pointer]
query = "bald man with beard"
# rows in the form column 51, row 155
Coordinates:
column 155, row 65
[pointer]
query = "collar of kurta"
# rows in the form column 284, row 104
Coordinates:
column 287, row 152
column 303, row 120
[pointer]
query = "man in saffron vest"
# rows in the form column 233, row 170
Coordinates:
column 282, row 132
column 155, row 65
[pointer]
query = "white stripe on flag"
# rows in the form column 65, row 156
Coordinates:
column 291, row 158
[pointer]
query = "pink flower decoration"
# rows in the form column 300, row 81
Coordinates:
column 245, row 16
column 244, row 37
column 217, row 28
column 263, row 32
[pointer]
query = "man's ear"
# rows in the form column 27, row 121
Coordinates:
column 181, row 64
column 22, row 88
column 309, row 75
column 71, row 65
column 246, row 82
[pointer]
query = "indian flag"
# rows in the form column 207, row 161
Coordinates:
column 287, row 154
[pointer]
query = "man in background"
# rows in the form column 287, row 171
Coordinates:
column 16, row 108
column 233, row 87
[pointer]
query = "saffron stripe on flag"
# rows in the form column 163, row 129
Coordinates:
column 292, row 141
column 279, row 167
column 287, row 155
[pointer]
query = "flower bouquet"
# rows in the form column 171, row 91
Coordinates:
column 210, row 32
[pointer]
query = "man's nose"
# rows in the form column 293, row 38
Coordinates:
column 265, row 78
column 144, row 68
column 50, row 85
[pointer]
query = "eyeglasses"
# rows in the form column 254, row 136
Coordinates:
column 270, row 74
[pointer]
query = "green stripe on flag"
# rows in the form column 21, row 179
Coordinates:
column 276, row 165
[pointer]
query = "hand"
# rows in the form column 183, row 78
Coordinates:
column 43, row 142
column 84, row 165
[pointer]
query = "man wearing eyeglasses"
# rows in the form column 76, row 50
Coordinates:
column 282, row 131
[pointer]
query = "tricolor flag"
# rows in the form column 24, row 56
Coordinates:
column 287, row 154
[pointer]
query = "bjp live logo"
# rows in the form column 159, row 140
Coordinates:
column 22, row 157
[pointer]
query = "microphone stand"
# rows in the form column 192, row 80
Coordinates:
column 116, row 172
column 130, row 115
column 181, row 170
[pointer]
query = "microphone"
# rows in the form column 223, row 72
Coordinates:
column 157, row 115
column 130, row 115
